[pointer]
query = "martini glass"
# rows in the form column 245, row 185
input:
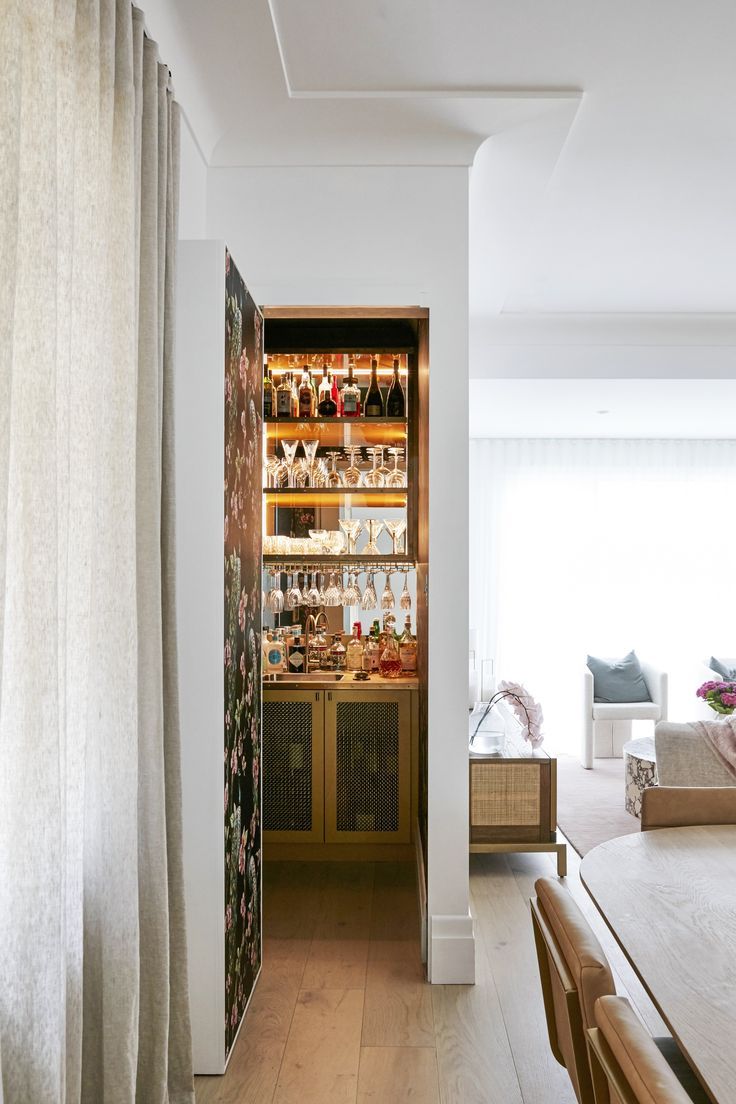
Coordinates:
column 290, row 448
column 310, row 451
column 351, row 527
column 369, row 600
column 351, row 475
column 397, row 530
column 374, row 528
column 396, row 477
column 387, row 598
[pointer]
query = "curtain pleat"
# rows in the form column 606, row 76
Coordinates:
column 93, row 986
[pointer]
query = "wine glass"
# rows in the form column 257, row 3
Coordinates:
column 274, row 471
column 333, row 476
column 351, row 595
column 310, row 451
column 290, row 448
column 275, row 594
column 293, row 595
column 397, row 530
column 374, row 528
column 351, row 475
column 319, row 473
column 351, row 527
column 305, row 591
column 301, row 473
column 382, row 469
column 369, row 601
column 322, row 595
column 313, row 598
column 405, row 599
column 332, row 594
column 374, row 478
column 396, row 478
column 387, row 598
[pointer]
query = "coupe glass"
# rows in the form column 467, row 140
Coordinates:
column 374, row 528
column 375, row 477
column 351, row 595
column 396, row 477
column 369, row 601
column 387, row 598
column 397, row 530
column 332, row 594
column 333, row 476
column 351, row 475
column 290, row 448
column 351, row 527
column 405, row 599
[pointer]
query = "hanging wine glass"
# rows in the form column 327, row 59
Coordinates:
column 322, row 595
column 374, row 478
column 351, row 527
column 275, row 594
column 351, row 475
column 351, row 595
column 290, row 448
column 383, row 471
column 333, row 476
column 397, row 530
column 388, row 601
column 405, row 599
column 294, row 596
column 374, row 528
column 396, row 477
column 305, row 591
column 369, row 601
column 332, row 594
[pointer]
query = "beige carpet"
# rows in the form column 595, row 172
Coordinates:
column 590, row 803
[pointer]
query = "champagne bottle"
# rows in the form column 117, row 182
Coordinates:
column 268, row 391
column 327, row 407
column 396, row 399
column 350, row 393
column 373, row 407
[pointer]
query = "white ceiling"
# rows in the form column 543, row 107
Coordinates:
column 602, row 408
column 607, row 187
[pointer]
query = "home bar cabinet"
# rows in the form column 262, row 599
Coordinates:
column 344, row 759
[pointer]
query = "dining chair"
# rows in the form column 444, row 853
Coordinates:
column 574, row 973
column 628, row 1067
column 685, row 806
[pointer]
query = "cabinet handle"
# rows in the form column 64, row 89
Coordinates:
column 316, row 695
column 329, row 695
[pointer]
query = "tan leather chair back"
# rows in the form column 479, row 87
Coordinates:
column 626, row 1065
column 574, row 973
column 684, row 806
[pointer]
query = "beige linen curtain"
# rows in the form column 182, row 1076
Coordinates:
column 93, row 986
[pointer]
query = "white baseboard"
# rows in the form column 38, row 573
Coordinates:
column 451, row 950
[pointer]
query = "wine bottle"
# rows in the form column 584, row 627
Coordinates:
column 327, row 407
column 268, row 391
column 396, row 399
column 373, row 407
column 350, row 393
column 336, row 393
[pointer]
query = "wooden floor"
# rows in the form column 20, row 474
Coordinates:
column 342, row 1013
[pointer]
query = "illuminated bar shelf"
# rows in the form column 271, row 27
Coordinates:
column 332, row 496
column 337, row 432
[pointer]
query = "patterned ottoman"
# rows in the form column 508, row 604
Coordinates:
column 640, row 771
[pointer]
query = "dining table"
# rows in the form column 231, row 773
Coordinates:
column 669, row 898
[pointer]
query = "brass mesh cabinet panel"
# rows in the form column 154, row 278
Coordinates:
column 367, row 766
column 293, row 766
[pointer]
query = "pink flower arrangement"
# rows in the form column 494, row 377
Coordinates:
column 720, row 696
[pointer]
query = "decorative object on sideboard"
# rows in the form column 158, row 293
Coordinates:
column 527, row 711
column 720, row 695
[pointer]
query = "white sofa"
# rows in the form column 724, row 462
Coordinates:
column 685, row 759
column 607, row 725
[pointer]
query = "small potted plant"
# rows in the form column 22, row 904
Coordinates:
column 719, row 695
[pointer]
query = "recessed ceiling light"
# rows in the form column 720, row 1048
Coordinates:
column 603, row 411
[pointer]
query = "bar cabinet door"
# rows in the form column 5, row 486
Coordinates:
column 368, row 766
column 293, row 766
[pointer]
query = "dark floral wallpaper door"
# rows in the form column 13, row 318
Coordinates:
column 242, row 653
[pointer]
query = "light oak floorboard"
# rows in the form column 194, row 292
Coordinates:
column 322, row 1056
column 398, row 1002
column 398, row 1075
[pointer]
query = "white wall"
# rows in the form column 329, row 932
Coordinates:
column 192, row 186
column 390, row 236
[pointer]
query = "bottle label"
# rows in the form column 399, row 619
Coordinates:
column 267, row 404
column 274, row 657
column 296, row 660
column 305, row 404
column 350, row 404
column 283, row 403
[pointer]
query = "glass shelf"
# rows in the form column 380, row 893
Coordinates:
column 332, row 496
column 337, row 431
column 341, row 561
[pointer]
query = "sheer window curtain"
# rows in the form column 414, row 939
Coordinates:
column 601, row 546
column 93, row 985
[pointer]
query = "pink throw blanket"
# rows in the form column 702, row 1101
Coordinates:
column 721, row 737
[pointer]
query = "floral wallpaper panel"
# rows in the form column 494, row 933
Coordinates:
column 242, row 653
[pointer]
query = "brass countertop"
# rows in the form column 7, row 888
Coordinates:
column 324, row 680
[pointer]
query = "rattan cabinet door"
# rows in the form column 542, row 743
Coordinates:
column 293, row 766
column 367, row 766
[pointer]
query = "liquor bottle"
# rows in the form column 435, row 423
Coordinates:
column 373, row 407
column 337, row 653
column 283, row 397
column 370, row 654
column 296, row 657
column 396, row 399
column 354, row 655
column 408, row 649
column 336, row 395
column 350, row 393
column 327, row 407
column 306, row 396
column 268, row 390
column 389, row 664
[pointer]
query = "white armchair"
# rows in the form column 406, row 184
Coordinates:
column 607, row 725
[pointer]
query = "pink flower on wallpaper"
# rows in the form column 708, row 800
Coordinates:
column 227, row 263
column 255, row 770
column 228, row 653
column 228, row 917
column 242, row 905
column 228, row 982
column 234, row 762
column 242, row 664
column 226, row 794
column 241, row 854
column 243, row 424
column 241, row 616
column 227, row 719
column 244, row 363
column 228, row 389
column 227, row 526
column 234, row 1016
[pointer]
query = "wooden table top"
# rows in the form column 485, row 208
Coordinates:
column 669, row 897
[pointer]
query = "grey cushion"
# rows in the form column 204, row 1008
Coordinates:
column 721, row 669
column 618, row 680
